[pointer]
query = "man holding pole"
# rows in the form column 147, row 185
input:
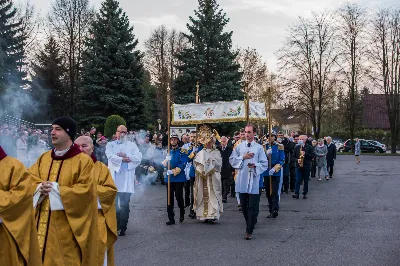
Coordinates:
column 175, row 179
column 250, row 160
column 273, row 175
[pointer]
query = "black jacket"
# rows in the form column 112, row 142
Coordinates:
column 226, row 170
column 308, row 155
column 331, row 156
column 289, row 147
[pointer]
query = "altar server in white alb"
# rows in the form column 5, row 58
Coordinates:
column 207, row 187
column 123, row 158
column 250, row 160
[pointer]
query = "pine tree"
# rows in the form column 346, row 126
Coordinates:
column 209, row 60
column 12, row 41
column 49, row 87
column 112, row 71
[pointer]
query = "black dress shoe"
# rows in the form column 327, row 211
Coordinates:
column 170, row 222
column 304, row 197
column 274, row 214
column 270, row 215
column 248, row 236
column 295, row 196
column 192, row 215
column 224, row 201
column 121, row 233
column 181, row 220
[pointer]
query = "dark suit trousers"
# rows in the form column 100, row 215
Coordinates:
column 177, row 190
column 330, row 168
column 313, row 168
column 122, row 210
column 292, row 178
column 303, row 174
column 273, row 200
column 188, row 192
column 250, row 208
column 286, row 173
column 226, row 185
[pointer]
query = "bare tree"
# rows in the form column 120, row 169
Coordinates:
column 70, row 20
column 161, row 62
column 255, row 73
column 30, row 26
column 352, row 26
column 307, row 63
column 384, row 56
column 156, row 60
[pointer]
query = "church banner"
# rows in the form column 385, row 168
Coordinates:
column 217, row 112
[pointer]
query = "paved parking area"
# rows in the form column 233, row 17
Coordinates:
column 353, row 219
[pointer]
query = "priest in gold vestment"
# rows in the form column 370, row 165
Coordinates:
column 106, row 193
column 66, row 201
column 207, row 187
column 18, row 238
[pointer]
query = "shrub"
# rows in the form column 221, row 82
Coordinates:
column 112, row 122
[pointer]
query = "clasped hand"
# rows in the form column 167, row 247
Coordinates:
column 248, row 155
column 124, row 158
column 45, row 188
column 251, row 165
column 121, row 154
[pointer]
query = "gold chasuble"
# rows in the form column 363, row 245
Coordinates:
column 107, row 218
column 67, row 234
column 18, row 238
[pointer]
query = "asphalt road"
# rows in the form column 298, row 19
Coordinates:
column 353, row 219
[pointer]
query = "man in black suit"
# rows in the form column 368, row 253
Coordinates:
column 226, row 170
column 303, row 153
column 330, row 156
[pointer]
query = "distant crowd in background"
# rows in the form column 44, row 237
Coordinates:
column 27, row 144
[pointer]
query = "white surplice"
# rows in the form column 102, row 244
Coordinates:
column 248, row 180
column 207, row 187
column 122, row 173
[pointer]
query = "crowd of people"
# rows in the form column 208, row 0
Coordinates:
column 201, row 170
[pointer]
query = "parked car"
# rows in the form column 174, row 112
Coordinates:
column 383, row 146
column 365, row 146
column 339, row 146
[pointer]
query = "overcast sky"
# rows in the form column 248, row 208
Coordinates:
column 259, row 24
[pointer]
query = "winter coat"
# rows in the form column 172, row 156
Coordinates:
column 357, row 148
column 320, row 155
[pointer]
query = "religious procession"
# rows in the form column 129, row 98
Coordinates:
column 174, row 133
column 69, row 208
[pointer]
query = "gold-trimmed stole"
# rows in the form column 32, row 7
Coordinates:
column 44, row 211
